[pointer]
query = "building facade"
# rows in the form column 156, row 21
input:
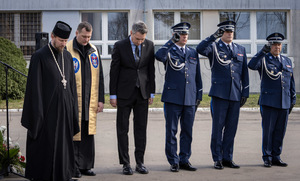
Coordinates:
column 112, row 20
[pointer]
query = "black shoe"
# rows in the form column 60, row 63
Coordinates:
column 218, row 165
column 127, row 170
column 230, row 164
column 279, row 163
column 174, row 168
column 187, row 166
column 141, row 168
column 77, row 173
column 87, row 172
column 73, row 179
column 267, row 163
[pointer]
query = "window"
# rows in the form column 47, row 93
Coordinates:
column 252, row 28
column 242, row 19
column 20, row 28
column 194, row 20
column 7, row 25
column 163, row 21
column 108, row 27
column 268, row 22
column 271, row 22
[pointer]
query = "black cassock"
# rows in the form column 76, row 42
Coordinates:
column 50, row 114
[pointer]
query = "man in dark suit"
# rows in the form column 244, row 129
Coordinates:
column 132, row 87
column 181, row 95
column 277, row 96
column 229, row 90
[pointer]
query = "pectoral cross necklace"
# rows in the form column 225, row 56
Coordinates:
column 62, row 73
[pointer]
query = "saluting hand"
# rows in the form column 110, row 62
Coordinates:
column 175, row 37
column 219, row 32
column 266, row 48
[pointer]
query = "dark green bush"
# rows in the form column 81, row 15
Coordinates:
column 12, row 56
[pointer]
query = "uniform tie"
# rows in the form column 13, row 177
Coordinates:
column 279, row 62
column 182, row 50
column 230, row 51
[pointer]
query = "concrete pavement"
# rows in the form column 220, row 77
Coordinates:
column 247, row 150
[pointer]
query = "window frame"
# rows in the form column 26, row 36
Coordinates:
column 24, row 45
column 253, row 41
column 104, row 43
column 177, row 17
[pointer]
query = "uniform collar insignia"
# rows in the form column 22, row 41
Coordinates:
column 270, row 57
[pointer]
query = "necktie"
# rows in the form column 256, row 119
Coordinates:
column 137, row 59
column 137, row 54
column 279, row 63
column 182, row 51
column 230, row 51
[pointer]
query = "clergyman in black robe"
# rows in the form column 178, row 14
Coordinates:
column 50, row 111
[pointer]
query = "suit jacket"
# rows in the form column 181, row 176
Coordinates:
column 182, row 86
column 230, row 81
column 278, row 93
column 124, row 72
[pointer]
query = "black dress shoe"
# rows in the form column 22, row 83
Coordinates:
column 73, row 179
column 174, row 168
column 279, row 163
column 77, row 174
column 187, row 166
column 127, row 170
column 87, row 172
column 230, row 164
column 141, row 168
column 218, row 165
column 267, row 163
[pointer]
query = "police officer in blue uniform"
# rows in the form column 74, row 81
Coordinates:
column 277, row 96
column 229, row 90
column 181, row 95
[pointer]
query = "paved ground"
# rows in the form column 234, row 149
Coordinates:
column 247, row 151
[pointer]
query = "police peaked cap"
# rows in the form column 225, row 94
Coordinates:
column 228, row 25
column 275, row 38
column 62, row 30
column 181, row 28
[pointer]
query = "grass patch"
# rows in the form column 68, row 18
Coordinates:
column 251, row 102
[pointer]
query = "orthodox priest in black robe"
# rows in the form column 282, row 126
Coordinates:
column 50, row 111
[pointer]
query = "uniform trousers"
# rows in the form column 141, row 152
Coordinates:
column 84, row 149
column 139, row 105
column 186, row 114
column 274, row 122
column 225, row 116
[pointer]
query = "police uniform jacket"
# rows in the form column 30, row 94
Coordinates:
column 276, row 91
column 182, row 86
column 228, row 81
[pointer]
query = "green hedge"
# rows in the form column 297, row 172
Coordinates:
column 12, row 56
